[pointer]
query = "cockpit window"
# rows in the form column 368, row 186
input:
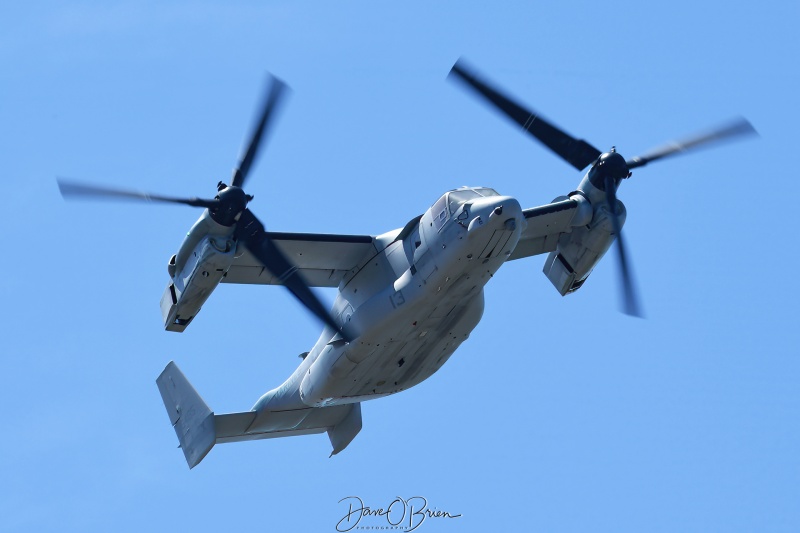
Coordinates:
column 450, row 203
column 460, row 196
column 439, row 212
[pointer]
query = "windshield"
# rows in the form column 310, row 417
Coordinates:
column 460, row 196
column 450, row 203
column 486, row 191
column 439, row 212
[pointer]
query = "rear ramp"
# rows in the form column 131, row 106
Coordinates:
column 199, row 429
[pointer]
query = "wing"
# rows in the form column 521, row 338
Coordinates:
column 322, row 259
column 545, row 225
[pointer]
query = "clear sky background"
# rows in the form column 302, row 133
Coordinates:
column 558, row 414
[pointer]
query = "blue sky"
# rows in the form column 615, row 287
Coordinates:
column 559, row 414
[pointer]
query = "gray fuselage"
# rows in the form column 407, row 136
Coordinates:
column 410, row 306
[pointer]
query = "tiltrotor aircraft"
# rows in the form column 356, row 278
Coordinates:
column 406, row 299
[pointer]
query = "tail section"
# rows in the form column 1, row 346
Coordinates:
column 346, row 429
column 198, row 428
column 190, row 416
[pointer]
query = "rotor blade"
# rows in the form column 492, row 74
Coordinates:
column 576, row 152
column 271, row 103
column 736, row 128
column 71, row 189
column 630, row 301
column 251, row 232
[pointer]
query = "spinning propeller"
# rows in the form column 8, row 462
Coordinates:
column 229, row 208
column 608, row 169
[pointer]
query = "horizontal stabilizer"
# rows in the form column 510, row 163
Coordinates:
column 198, row 428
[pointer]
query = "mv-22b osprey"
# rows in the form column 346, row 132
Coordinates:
column 406, row 299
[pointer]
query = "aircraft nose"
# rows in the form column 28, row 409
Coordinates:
column 507, row 208
column 499, row 212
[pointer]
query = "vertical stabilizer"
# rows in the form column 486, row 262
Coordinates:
column 190, row 416
column 346, row 429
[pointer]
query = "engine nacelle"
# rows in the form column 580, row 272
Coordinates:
column 578, row 252
column 202, row 261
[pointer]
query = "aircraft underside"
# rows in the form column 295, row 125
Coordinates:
column 407, row 298
column 407, row 358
